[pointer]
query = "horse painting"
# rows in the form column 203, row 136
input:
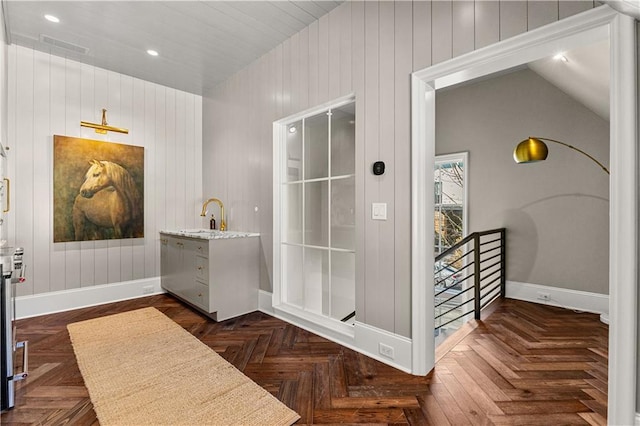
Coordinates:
column 108, row 198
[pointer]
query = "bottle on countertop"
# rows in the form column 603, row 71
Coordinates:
column 212, row 223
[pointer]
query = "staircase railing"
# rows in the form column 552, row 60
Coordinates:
column 469, row 275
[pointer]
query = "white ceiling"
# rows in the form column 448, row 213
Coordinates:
column 201, row 43
column 584, row 76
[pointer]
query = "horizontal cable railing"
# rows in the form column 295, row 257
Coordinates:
column 469, row 275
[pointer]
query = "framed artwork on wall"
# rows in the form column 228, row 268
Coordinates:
column 98, row 190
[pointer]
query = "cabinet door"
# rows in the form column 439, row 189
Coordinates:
column 171, row 253
column 185, row 269
column 164, row 255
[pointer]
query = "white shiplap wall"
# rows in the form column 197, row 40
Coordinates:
column 3, row 80
column 370, row 49
column 50, row 95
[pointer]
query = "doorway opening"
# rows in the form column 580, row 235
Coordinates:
column 588, row 27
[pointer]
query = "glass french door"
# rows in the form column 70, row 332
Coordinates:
column 317, row 240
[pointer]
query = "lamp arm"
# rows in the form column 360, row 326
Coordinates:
column 576, row 149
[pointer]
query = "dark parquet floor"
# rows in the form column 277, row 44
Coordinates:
column 524, row 364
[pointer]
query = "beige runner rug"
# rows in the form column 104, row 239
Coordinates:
column 141, row 368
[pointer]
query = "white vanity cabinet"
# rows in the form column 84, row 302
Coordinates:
column 180, row 260
column 214, row 273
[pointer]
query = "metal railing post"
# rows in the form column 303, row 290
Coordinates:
column 476, row 275
column 484, row 261
column 503, row 265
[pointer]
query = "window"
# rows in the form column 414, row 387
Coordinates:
column 449, row 179
column 450, row 225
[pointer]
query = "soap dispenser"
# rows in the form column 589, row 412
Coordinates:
column 212, row 223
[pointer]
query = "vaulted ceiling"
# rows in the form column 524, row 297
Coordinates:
column 582, row 73
column 199, row 43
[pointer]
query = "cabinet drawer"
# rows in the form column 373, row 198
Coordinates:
column 200, row 247
column 198, row 294
column 202, row 268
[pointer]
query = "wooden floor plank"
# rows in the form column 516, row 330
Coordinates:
column 454, row 340
column 485, row 383
column 493, row 359
column 432, row 410
column 532, row 407
column 468, row 405
column 539, row 419
column 466, row 384
column 593, row 419
column 415, row 416
column 339, row 387
column 363, row 415
column 303, row 405
column 541, row 393
column 372, row 402
column 523, row 364
column 449, row 405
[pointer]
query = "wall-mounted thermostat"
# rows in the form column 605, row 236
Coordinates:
column 378, row 168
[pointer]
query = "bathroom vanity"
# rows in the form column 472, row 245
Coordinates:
column 215, row 272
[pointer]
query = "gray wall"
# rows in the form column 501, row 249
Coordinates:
column 556, row 212
column 370, row 49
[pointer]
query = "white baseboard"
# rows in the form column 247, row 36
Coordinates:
column 369, row 339
column 66, row 300
column 265, row 303
column 561, row 297
column 360, row 337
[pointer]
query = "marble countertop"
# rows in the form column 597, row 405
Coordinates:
column 207, row 234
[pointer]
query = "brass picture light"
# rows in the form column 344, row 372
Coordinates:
column 534, row 149
column 103, row 127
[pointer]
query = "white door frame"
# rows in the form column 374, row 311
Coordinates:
column 592, row 25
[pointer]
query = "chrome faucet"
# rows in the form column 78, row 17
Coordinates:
column 223, row 224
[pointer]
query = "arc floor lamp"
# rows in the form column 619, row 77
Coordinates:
column 534, row 149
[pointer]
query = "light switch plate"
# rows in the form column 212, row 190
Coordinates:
column 379, row 211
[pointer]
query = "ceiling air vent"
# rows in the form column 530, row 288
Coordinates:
column 63, row 44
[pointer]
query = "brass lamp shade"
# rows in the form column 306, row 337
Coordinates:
column 530, row 150
column 533, row 149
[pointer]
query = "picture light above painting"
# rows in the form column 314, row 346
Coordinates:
column 98, row 190
column 103, row 127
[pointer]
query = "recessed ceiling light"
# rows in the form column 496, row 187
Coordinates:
column 51, row 18
column 561, row 57
column 292, row 129
column 152, row 52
